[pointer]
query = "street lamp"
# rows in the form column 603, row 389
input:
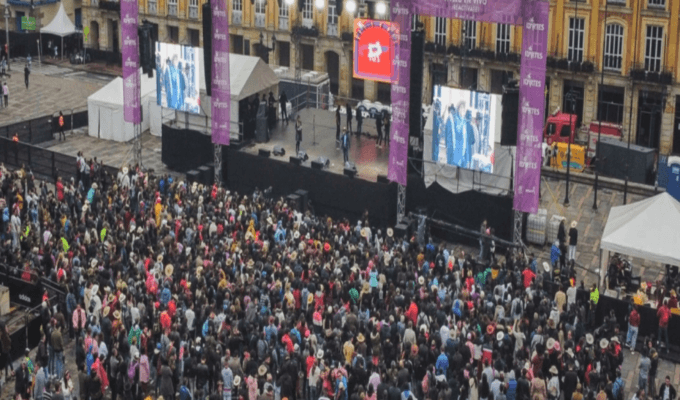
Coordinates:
column 571, row 99
column 7, row 15
column 381, row 8
column 320, row 4
column 351, row 6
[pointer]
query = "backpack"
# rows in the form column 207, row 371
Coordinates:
column 517, row 309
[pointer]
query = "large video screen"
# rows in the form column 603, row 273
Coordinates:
column 177, row 77
column 465, row 125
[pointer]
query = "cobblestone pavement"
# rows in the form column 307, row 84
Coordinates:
column 51, row 89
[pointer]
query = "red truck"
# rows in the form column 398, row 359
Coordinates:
column 561, row 127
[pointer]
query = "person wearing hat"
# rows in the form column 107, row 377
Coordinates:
column 573, row 240
column 553, row 386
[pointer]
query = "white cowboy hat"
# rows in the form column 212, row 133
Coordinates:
column 573, row 224
column 604, row 343
column 589, row 338
column 553, row 370
column 550, row 344
column 390, row 232
column 615, row 339
column 319, row 354
column 546, row 266
column 296, row 235
column 421, row 281
column 125, row 170
column 237, row 380
column 500, row 336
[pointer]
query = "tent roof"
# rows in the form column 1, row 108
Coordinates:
column 112, row 93
column 247, row 75
column 60, row 25
column 647, row 229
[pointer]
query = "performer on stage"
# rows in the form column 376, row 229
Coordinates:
column 436, row 126
column 345, row 145
column 283, row 102
column 378, row 127
column 448, row 135
column 349, row 117
column 298, row 134
column 360, row 120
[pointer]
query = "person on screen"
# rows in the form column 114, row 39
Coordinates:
column 462, row 130
column 436, row 125
column 471, row 139
column 449, row 135
column 175, row 84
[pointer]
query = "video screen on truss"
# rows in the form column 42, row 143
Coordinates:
column 177, row 77
column 465, row 125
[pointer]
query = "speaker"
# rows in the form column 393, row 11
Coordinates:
column 324, row 161
column 316, row 164
column 416, row 94
column 193, row 176
column 293, row 201
column 147, row 56
column 400, row 231
column 264, row 153
column 207, row 174
column 509, row 113
column 302, row 155
column 295, row 160
column 614, row 156
column 349, row 172
column 304, row 198
column 383, row 179
column 207, row 47
column 279, row 151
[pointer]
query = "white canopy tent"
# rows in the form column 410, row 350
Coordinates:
column 60, row 25
column 105, row 110
column 248, row 75
column 647, row 229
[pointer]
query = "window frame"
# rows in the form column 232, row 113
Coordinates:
column 237, row 5
column 308, row 10
column 440, row 28
column 653, row 62
column 503, row 42
column 469, row 39
column 613, row 41
column 576, row 34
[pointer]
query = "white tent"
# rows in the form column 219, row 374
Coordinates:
column 247, row 76
column 647, row 229
column 60, row 25
column 105, row 110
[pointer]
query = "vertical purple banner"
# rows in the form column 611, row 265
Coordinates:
column 532, row 106
column 221, row 89
column 399, row 132
column 131, row 76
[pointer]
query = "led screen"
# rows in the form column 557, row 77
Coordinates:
column 375, row 46
column 177, row 77
column 465, row 125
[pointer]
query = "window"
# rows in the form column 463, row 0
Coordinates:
column 414, row 21
column 194, row 37
column 332, row 21
column 172, row 7
column 656, row 4
column 440, row 31
column 193, row 8
column 308, row 11
column 284, row 12
column 173, row 32
column 502, row 38
column 610, row 107
column 577, row 32
column 613, row 47
column 151, row 7
column 470, row 34
column 237, row 12
column 653, row 48
column 260, row 6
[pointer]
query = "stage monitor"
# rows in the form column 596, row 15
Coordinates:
column 465, row 126
column 177, row 77
column 375, row 45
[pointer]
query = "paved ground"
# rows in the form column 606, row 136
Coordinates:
column 51, row 89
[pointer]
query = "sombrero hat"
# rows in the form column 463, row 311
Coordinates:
column 546, row 266
column 500, row 336
column 421, row 280
column 360, row 338
column 169, row 269
column 390, row 232
column 589, row 338
column 116, row 314
column 604, row 343
column 262, row 370
column 296, row 235
column 364, row 232
column 550, row 344
column 237, row 380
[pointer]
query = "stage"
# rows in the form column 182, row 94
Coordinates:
column 319, row 126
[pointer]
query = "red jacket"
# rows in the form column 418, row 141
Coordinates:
column 412, row 313
column 664, row 314
column 634, row 318
column 528, row 275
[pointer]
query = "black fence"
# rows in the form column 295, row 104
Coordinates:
column 41, row 129
column 109, row 57
column 42, row 162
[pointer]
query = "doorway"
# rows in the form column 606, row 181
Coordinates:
column 113, row 36
column 94, row 35
column 333, row 69
column 307, row 57
column 572, row 100
column 650, row 107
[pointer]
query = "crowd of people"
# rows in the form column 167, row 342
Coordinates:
column 184, row 291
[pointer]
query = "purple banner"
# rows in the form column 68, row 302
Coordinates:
column 498, row 11
column 399, row 131
column 532, row 107
column 131, row 74
column 221, row 89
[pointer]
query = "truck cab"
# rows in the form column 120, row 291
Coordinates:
column 560, row 127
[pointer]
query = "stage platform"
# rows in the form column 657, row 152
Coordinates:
column 319, row 126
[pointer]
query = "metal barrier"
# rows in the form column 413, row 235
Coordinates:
column 41, row 162
column 42, row 129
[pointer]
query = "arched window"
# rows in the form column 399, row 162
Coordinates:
column 613, row 47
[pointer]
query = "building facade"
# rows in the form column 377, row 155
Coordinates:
column 631, row 46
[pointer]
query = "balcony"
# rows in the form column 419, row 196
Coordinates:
column 283, row 23
column 585, row 66
column 640, row 74
column 193, row 12
column 110, row 5
column 172, row 10
column 437, row 48
column 332, row 30
column 259, row 20
column 151, row 8
column 237, row 17
column 306, row 31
